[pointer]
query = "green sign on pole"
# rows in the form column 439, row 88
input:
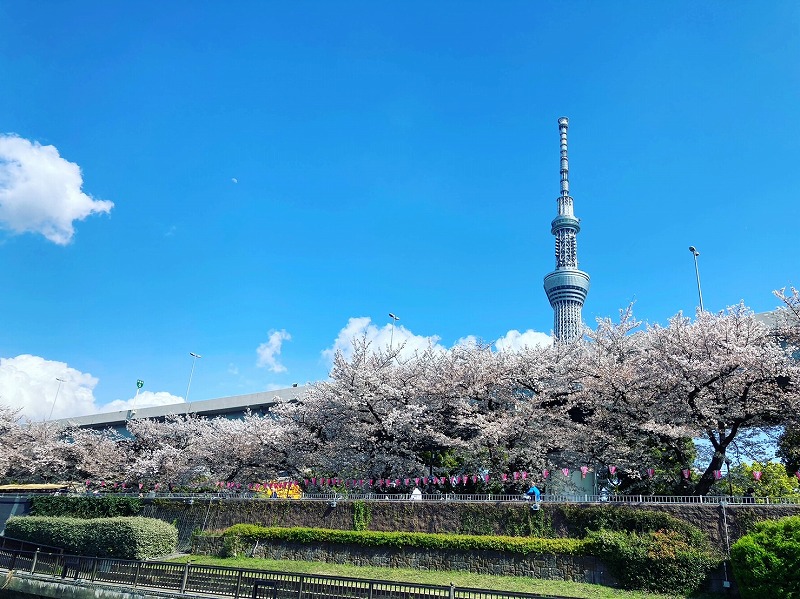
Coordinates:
column 139, row 384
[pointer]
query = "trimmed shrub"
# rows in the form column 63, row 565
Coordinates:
column 658, row 561
column 84, row 506
column 121, row 537
column 67, row 533
column 239, row 537
column 766, row 562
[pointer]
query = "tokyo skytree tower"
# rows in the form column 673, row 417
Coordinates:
column 566, row 286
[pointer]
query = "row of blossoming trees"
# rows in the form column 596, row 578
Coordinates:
column 630, row 396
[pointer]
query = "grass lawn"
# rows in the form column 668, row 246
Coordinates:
column 460, row 579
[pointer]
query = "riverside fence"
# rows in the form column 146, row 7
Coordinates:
column 481, row 498
column 220, row 581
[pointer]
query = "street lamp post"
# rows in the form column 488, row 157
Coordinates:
column 695, row 253
column 55, row 398
column 191, row 373
column 730, row 486
column 391, row 334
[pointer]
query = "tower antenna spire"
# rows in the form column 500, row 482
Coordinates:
column 563, row 124
column 566, row 286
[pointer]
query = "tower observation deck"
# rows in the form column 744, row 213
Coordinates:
column 566, row 286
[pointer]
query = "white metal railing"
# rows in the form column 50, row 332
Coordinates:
column 603, row 498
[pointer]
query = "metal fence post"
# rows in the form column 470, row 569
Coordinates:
column 35, row 559
column 238, row 585
column 185, row 577
column 300, row 589
column 136, row 575
column 94, row 569
column 452, row 590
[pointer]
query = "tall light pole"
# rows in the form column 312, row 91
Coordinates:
column 695, row 253
column 391, row 334
column 730, row 485
column 55, row 398
column 139, row 385
column 189, row 386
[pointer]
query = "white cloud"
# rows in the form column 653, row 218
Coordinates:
column 146, row 399
column 235, row 180
column 379, row 338
column 29, row 383
column 40, row 192
column 515, row 341
column 268, row 352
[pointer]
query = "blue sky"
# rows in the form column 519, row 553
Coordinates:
column 279, row 169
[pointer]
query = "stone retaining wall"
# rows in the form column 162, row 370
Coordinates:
column 546, row 566
column 447, row 517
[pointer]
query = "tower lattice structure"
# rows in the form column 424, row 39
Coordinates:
column 566, row 286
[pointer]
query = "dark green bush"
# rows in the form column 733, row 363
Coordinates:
column 84, row 506
column 766, row 562
column 122, row 537
column 658, row 561
column 239, row 537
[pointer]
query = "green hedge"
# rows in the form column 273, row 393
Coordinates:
column 121, row 537
column 239, row 537
column 84, row 506
column 766, row 562
column 657, row 561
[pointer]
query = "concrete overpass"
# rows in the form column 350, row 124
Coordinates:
column 229, row 407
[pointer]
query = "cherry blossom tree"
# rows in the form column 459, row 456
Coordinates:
column 254, row 448
column 721, row 377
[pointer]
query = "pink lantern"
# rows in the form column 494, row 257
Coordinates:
column 797, row 474
column 545, row 473
column 486, row 477
column 523, row 475
column 686, row 473
column 612, row 470
column 584, row 470
column 416, row 480
column 651, row 472
column 565, row 471
column 406, row 481
column 140, row 486
column 424, row 480
column 516, row 475
column 717, row 474
column 757, row 474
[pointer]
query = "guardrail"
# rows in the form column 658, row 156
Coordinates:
column 221, row 581
column 487, row 497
